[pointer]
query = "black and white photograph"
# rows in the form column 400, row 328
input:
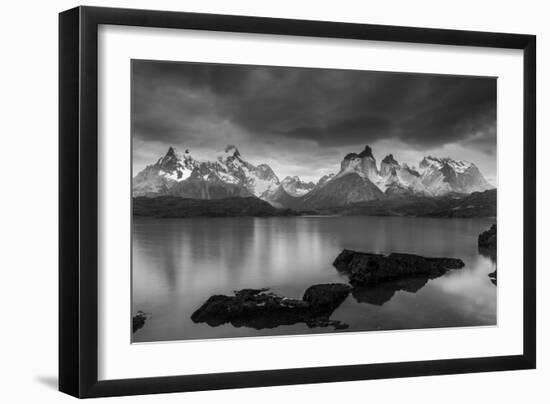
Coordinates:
column 272, row 200
column 285, row 202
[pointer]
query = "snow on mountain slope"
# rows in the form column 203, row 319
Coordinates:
column 436, row 176
column 231, row 167
column 400, row 179
column 444, row 175
column 175, row 166
column 296, row 187
column 363, row 164
column 359, row 179
column 324, row 179
column 387, row 164
column 161, row 176
column 182, row 175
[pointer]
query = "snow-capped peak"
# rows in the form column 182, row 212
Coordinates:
column 295, row 186
column 435, row 176
column 387, row 165
column 229, row 151
column 367, row 152
column 459, row 166
column 390, row 160
column 430, row 161
column 443, row 175
column 176, row 166
column 289, row 179
column 363, row 164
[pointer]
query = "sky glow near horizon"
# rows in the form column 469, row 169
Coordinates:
column 303, row 121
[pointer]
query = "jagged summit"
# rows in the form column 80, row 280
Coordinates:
column 440, row 162
column 435, row 176
column 389, row 160
column 169, row 156
column 388, row 164
column 232, row 149
column 359, row 179
column 182, row 175
column 367, row 152
column 173, row 155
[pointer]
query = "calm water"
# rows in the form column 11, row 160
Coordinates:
column 179, row 263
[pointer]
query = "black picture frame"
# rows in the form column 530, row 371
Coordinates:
column 78, row 201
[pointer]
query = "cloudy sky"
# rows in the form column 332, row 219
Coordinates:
column 303, row 121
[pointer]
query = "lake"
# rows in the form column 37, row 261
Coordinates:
column 179, row 263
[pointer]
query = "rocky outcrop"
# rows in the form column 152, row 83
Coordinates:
column 138, row 321
column 260, row 308
column 387, row 165
column 488, row 239
column 364, row 269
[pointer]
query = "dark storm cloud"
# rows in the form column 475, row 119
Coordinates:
column 329, row 107
column 289, row 112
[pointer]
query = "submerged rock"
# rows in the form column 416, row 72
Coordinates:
column 488, row 239
column 364, row 269
column 138, row 321
column 260, row 308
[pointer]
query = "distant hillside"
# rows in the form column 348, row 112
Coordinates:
column 477, row 204
column 173, row 206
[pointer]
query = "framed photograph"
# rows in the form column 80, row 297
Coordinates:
column 251, row 201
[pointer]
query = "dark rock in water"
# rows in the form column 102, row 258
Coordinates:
column 138, row 321
column 493, row 277
column 365, row 269
column 488, row 239
column 383, row 292
column 487, row 245
column 327, row 297
column 490, row 253
column 377, row 295
column 259, row 308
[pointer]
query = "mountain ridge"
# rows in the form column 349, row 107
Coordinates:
column 359, row 179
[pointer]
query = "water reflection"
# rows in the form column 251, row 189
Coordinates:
column 179, row 263
column 383, row 292
column 490, row 253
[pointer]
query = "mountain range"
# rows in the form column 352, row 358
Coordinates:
column 360, row 179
